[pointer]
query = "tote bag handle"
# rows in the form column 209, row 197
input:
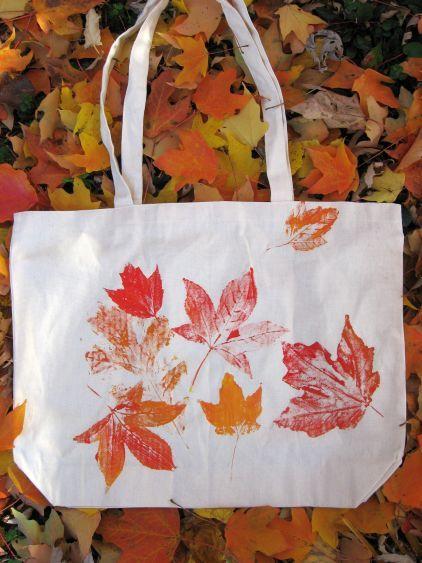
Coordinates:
column 128, row 184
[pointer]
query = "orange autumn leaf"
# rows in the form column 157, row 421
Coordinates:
column 25, row 487
column 54, row 14
column 413, row 67
column 413, row 179
column 192, row 162
column 344, row 76
column 249, row 531
column 372, row 83
column 160, row 114
column 297, row 533
column 413, row 346
column 335, row 170
column 203, row 16
column 11, row 426
column 16, row 192
column 306, row 227
column 234, row 414
column 12, row 60
column 405, row 486
column 143, row 534
column 193, row 60
column 213, row 96
column 371, row 517
column 95, row 155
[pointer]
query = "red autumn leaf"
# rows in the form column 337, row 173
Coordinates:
column 125, row 427
column 306, row 227
column 140, row 296
column 213, row 96
column 222, row 330
column 16, row 193
column 148, row 535
column 335, row 394
column 160, row 114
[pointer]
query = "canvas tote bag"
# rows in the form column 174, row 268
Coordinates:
column 208, row 354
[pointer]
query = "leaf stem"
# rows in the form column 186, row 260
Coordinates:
column 199, row 369
column 378, row 412
column 234, row 453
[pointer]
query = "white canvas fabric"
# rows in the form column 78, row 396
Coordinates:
column 209, row 354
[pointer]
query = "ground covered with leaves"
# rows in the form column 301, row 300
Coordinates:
column 349, row 72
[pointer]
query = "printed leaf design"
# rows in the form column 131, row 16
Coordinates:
column 306, row 227
column 222, row 330
column 141, row 296
column 127, row 427
column 160, row 114
column 335, row 394
column 124, row 350
column 234, row 414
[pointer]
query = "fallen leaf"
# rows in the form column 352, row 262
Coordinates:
column 372, row 517
column 95, row 155
column 221, row 514
column 213, row 96
column 81, row 526
column 335, row 394
column 194, row 61
column 405, row 486
column 246, row 126
column 11, row 426
column 293, row 19
column 387, row 186
column 297, row 533
column 328, row 523
column 203, row 16
column 344, row 76
column 372, row 83
column 143, row 534
column 16, row 192
column 79, row 199
column 192, row 162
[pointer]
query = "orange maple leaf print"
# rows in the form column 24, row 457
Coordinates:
column 306, row 227
column 234, row 414
column 126, row 426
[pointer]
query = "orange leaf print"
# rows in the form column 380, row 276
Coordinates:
column 306, row 227
column 335, row 394
column 233, row 414
column 126, row 426
column 148, row 535
column 192, row 162
column 213, row 96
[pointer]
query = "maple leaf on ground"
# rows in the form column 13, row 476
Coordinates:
column 293, row 19
column 250, row 530
column 16, row 192
column 335, row 394
column 126, row 426
column 11, row 423
column 203, row 16
column 371, row 83
column 194, row 61
column 213, row 96
column 12, row 60
column 149, row 535
column 192, row 162
column 223, row 330
column 160, row 114
column 335, row 171
column 80, row 198
column 306, row 227
column 141, row 296
column 54, row 14
column 344, row 76
column 405, row 486
column 95, row 155
column 297, row 533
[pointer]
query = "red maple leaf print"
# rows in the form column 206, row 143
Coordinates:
column 222, row 330
column 335, row 394
column 141, row 296
column 126, row 427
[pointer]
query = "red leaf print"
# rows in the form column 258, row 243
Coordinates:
column 222, row 330
column 335, row 394
column 125, row 427
column 140, row 296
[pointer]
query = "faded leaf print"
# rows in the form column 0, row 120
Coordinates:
column 306, row 228
column 335, row 394
column 234, row 414
column 222, row 330
column 126, row 426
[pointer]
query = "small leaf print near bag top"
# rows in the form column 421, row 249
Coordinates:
column 208, row 354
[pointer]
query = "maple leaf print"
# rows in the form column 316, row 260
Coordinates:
column 141, row 296
column 127, row 427
column 222, row 330
column 234, row 414
column 306, row 227
column 335, row 394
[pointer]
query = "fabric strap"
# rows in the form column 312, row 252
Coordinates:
column 128, row 184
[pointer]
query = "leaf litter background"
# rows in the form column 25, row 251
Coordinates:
column 349, row 71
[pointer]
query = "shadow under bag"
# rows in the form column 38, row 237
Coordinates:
column 208, row 354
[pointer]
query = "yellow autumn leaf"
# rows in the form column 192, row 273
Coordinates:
column 167, row 195
column 10, row 9
column 296, row 155
column 387, row 186
column 246, row 125
column 221, row 514
column 294, row 19
column 61, row 200
column 95, row 155
column 209, row 130
column 239, row 163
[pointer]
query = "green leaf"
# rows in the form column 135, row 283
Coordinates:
column 413, row 49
